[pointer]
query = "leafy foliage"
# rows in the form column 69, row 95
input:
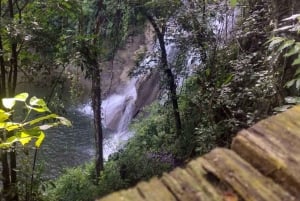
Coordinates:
column 288, row 46
column 32, row 127
column 76, row 184
column 235, row 87
column 28, row 129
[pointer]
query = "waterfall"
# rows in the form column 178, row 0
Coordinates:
column 117, row 112
column 119, row 108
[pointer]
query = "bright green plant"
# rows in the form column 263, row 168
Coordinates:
column 38, row 118
column 29, row 128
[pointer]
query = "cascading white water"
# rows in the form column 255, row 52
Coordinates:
column 117, row 112
column 118, row 108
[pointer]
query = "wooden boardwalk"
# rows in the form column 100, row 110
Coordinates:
column 262, row 165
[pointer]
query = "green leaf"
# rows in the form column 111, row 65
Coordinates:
column 40, row 139
column 37, row 120
column 24, row 138
column 274, row 41
column 297, row 71
column 207, row 72
column 40, row 103
column 294, row 50
column 290, row 83
column 296, row 61
column 8, row 103
column 286, row 44
column 298, row 84
column 10, row 126
column 4, row 115
column 38, row 109
column 64, row 121
column 233, row 3
column 229, row 78
column 8, row 142
column 21, row 97
column 47, row 126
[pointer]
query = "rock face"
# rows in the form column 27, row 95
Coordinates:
column 115, row 73
column 148, row 88
column 124, row 96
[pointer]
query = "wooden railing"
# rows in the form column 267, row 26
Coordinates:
column 262, row 165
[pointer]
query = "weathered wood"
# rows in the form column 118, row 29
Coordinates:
column 250, row 184
column 155, row 190
column 273, row 147
column 263, row 166
column 125, row 195
column 185, row 187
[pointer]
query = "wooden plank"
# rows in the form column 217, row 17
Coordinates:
column 210, row 182
column 244, row 179
column 155, row 190
column 125, row 195
column 273, row 147
column 186, row 188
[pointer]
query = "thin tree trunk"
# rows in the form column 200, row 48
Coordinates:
column 168, row 72
column 96, row 103
column 3, row 74
column 11, row 92
column 5, row 174
column 96, row 96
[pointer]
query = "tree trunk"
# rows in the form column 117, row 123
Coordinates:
column 168, row 72
column 96, row 96
column 96, row 104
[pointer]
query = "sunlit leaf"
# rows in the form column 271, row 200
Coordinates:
column 8, row 102
column 37, row 120
column 40, row 139
column 296, row 61
column 47, row 126
column 24, row 138
column 233, row 3
column 38, row 109
column 8, row 142
column 21, row 97
column 11, row 139
column 10, row 126
column 4, row 115
column 40, row 103
column 275, row 40
column 64, row 121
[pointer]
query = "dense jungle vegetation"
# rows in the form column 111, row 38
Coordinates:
column 247, row 72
